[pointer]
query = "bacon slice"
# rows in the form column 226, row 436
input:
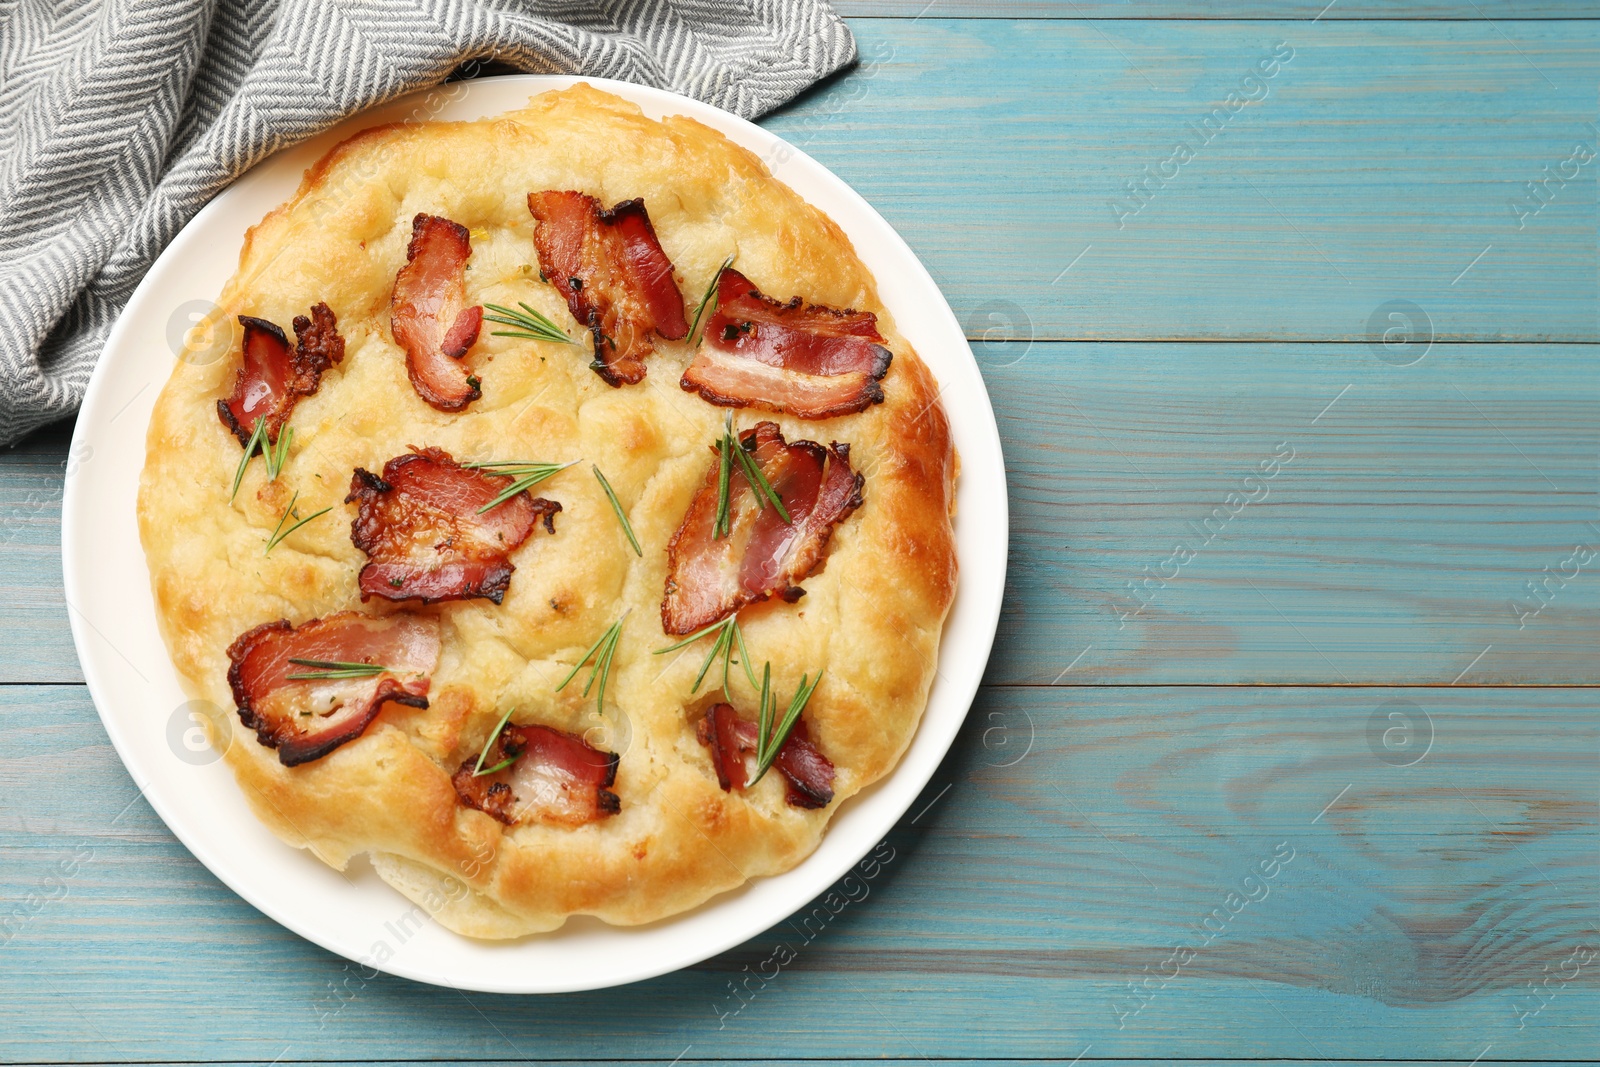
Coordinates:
column 709, row 578
column 424, row 538
column 556, row 778
column 617, row 280
column 306, row 719
column 428, row 317
column 808, row 774
column 811, row 361
column 272, row 379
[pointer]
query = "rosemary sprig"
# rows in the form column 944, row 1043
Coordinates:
column 477, row 770
column 529, row 323
column 527, row 475
column 602, row 651
column 770, row 740
column 709, row 300
column 273, row 455
column 616, row 505
column 328, row 669
column 279, row 533
column 758, row 481
column 728, row 635
column 729, row 448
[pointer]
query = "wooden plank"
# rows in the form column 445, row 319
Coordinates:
column 1380, row 163
column 39, row 645
column 1275, row 10
column 1395, row 547
column 1072, row 840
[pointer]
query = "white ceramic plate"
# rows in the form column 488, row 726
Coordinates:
column 354, row 913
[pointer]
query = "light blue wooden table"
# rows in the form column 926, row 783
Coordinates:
column 1271, row 767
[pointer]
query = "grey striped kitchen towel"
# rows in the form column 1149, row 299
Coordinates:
column 119, row 119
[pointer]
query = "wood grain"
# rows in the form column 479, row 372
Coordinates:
column 39, row 648
column 1084, row 833
column 1380, row 164
column 1397, row 545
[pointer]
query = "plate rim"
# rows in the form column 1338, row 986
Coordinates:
column 819, row 876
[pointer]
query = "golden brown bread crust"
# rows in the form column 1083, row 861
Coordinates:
column 871, row 617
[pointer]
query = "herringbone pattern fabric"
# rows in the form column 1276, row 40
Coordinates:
column 119, row 119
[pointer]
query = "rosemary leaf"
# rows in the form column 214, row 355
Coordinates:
column 692, row 638
column 275, row 455
column 584, row 659
column 729, row 637
column 477, row 770
column 337, row 665
column 314, row 515
column 279, row 533
column 723, row 521
column 709, row 300
column 602, row 662
column 244, row 460
column 616, row 505
column 325, row 670
column 603, row 668
column 764, row 719
column 768, row 746
column 330, row 676
column 527, row 476
column 729, row 448
column 602, row 650
column 758, row 482
column 529, row 323
column 727, row 656
column 273, row 537
column 744, row 657
column 518, row 467
column 716, row 650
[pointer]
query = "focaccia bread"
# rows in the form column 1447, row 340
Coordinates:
column 434, row 611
